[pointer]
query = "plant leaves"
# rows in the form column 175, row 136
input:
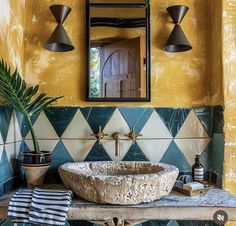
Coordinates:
column 15, row 93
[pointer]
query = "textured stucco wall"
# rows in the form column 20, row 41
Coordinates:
column 229, row 56
column 12, row 33
column 181, row 79
column 215, row 66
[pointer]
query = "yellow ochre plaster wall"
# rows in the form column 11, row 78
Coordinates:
column 229, row 83
column 179, row 79
column 12, row 33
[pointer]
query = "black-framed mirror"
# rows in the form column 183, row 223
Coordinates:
column 118, row 50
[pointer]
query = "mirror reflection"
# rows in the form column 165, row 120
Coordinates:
column 118, row 55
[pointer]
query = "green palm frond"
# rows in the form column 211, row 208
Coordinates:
column 15, row 93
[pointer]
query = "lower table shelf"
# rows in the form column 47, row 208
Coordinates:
column 175, row 206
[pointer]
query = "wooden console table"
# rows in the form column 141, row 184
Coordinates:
column 175, row 206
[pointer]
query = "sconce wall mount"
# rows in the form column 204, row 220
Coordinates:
column 59, row 41
column 177, row 41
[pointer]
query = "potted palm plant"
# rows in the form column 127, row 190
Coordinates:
column 26, row 100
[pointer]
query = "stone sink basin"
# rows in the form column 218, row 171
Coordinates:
column 121, row 183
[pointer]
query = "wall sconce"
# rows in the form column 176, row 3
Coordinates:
column 177, row 42
column 59, row 40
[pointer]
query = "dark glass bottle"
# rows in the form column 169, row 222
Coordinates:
column 197, row 170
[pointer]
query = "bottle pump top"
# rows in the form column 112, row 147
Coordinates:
column 197, row 159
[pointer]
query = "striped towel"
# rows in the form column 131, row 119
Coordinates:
column 19, row 206
column 40, row 206
column 49, row 206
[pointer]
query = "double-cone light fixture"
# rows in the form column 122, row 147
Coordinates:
column 177, row 41
column 59, row 40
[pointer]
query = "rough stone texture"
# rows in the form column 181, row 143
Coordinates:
column 119, row 182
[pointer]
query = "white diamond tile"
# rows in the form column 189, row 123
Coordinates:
column 109, row 146
column 192, row 127
column 1, row 151
column 155, row 128
column 12, row 151
column 10, row 133
column 78, row 128
column 44, row 145
column 154, row 149
column 117, row 123
column 14, row 133
column 1, row 140
column 192, row 147
column 43, row 128
column 78, row 149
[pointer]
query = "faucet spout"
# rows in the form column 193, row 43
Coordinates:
column 116, row 137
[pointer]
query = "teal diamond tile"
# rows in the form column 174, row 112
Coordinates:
column 136, row 117
column 173, row 118
column 205, row 115
column 60, row 156
column 175, row 157
column 19, row 170
column 1, row 192
column 23, row 124
column 97, row 153
column 172, row 223
column 5, row 118
column 8, row 185
column 97, row 116
column 135, row 154
column 5, row 169
column 217, row 156
column 24, row 147
column 60, row 117
column 218, row 120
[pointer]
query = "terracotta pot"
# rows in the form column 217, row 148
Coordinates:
column 35, row 175
column 35, row 166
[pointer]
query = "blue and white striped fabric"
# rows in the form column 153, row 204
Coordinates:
column 40, row 206
column 49, row 206
column 19, row 206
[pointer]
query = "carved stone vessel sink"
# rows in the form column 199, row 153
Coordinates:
column 119, row 182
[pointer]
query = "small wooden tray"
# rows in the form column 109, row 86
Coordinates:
column 194, row 192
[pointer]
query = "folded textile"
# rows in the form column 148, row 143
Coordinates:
column 19, row 206
column 40, row 206
column 49, row 206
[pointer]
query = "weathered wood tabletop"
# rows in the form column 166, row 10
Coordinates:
column 175, row 206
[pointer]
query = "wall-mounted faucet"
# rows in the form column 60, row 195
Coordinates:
column 116, row 137
column 132, row 135
column 100, row 135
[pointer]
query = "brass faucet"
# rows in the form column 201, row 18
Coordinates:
column 99, row 136
column 116, row 137
column 132, row 135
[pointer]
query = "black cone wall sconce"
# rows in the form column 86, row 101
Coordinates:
column 177, row 41
column 59, row 40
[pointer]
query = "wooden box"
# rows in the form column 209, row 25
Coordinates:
column 194, row 192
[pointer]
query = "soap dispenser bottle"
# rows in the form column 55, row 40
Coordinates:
column 197, row 170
